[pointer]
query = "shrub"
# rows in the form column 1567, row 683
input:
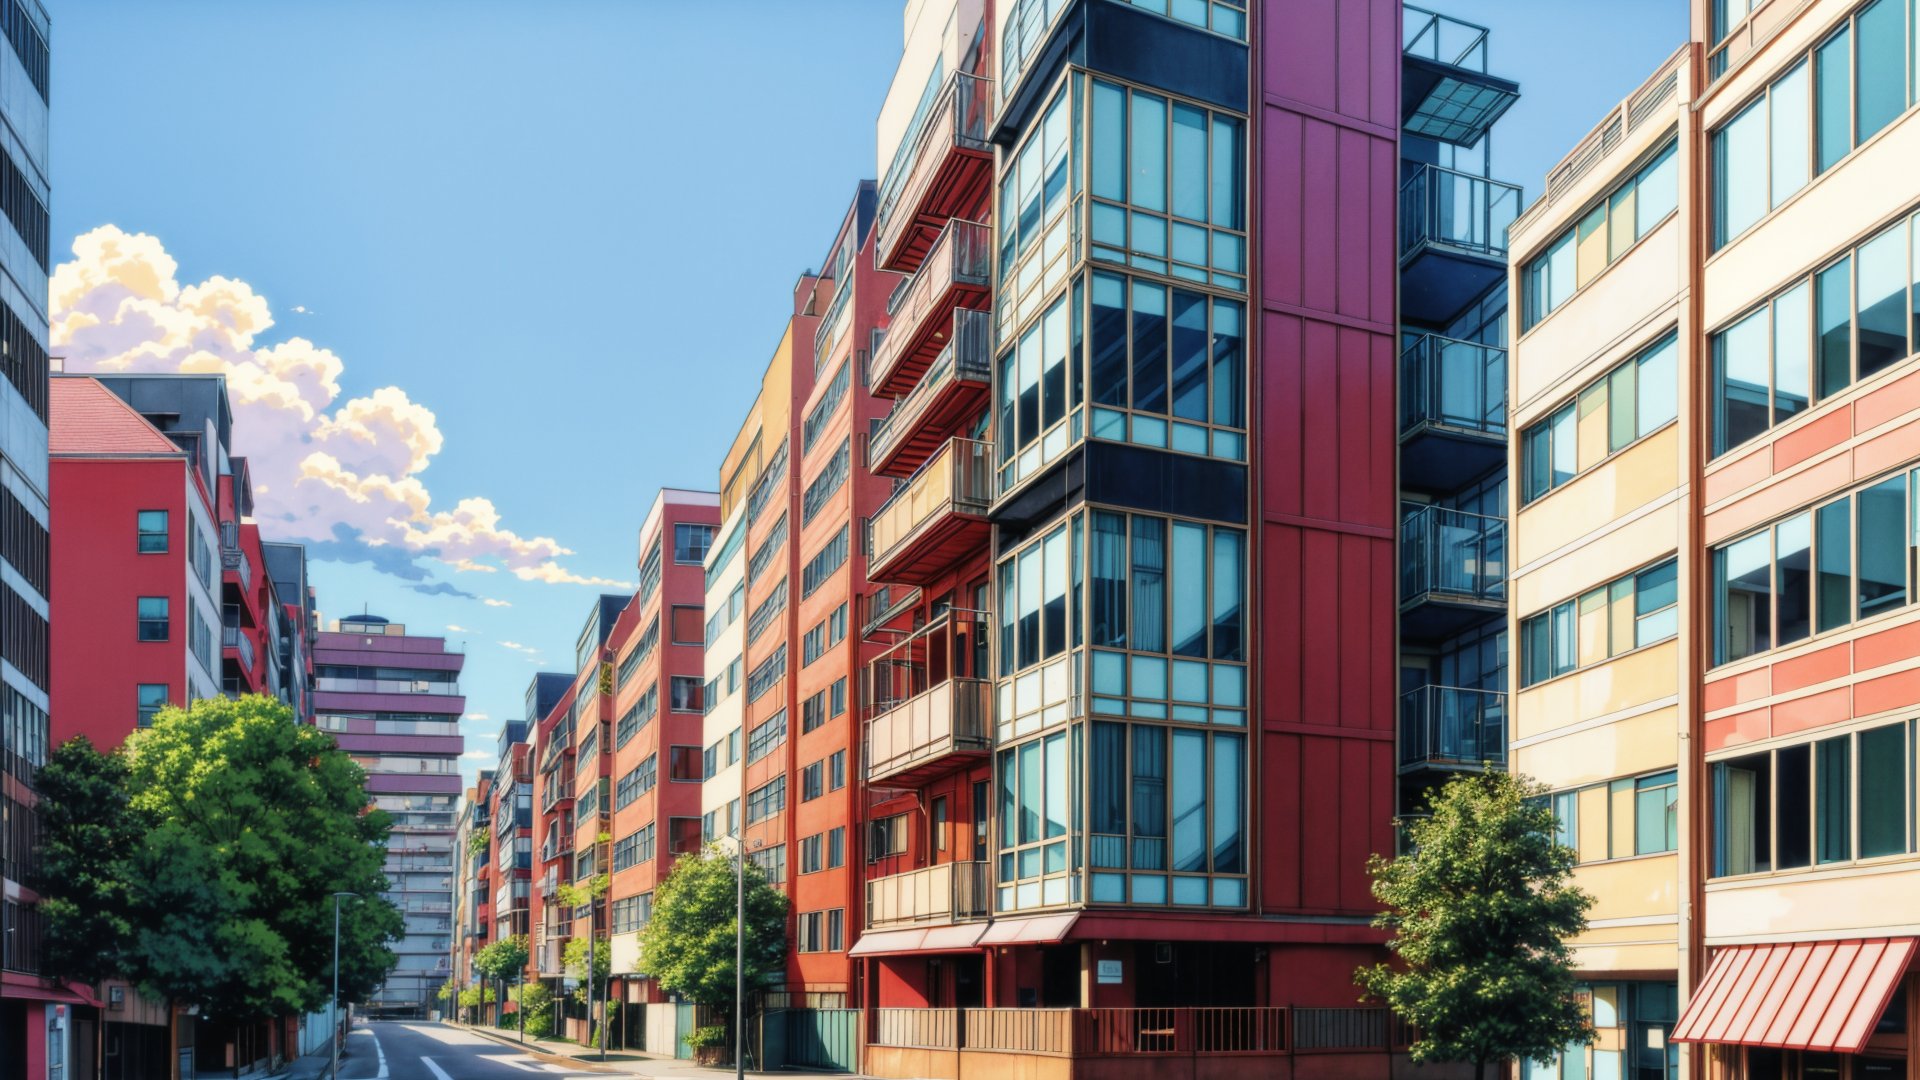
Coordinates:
column 711, row 1035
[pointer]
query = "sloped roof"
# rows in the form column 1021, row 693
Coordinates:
column 85, row 417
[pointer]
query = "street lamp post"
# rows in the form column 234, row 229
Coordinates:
column 334, row 1072
column 740, row 956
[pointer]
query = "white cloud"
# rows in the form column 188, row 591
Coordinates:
column 452, row 629
column 345, row 474
column 491, row 602
column 477, row 755
column 476, row 717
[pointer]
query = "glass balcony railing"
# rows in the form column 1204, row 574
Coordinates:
column 966, row 358
column 1447, row 726
column 386, row 686
column 947, row 893
column 953, row 486
column 1453, row 384
column 1452, row 555
column 1443, row 39
column 923, row 172
column 1456, row 210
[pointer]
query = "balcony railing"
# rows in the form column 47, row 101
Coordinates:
column 966, row 358
column 387, row 686
column 1451, row 554
column 922, row 733
column 958, row 269
column 947, row 893
column 955, row 124
column 1452, row 727
column 1454, row 384
column 232, row 558
column 1443, row 39
column 955, row 482
column 1456, row 210
column 232, row 638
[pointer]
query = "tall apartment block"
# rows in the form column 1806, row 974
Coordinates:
column 36, row 1014
column 393, row 701
column 472, row 885
column 510, row 842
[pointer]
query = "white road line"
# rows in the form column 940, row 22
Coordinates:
column 523, row 1066
column 382, row 1074
column 438, row 1072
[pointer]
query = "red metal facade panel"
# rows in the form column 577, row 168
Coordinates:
column 1822, row 996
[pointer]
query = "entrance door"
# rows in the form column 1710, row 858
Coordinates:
column 1060, row 976
column 969, row 986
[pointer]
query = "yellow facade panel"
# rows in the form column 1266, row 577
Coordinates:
column 1877, row 902
column 1638, row 678
column 1639, row 744
column 1632, row 888
column 1596, row 327
column 1635, row 477
column 1634, row 545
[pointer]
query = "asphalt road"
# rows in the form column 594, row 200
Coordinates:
column 388, row 1050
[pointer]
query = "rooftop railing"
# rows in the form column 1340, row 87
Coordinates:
column 1443, row 39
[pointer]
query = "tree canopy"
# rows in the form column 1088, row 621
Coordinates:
column 236, row 828
column 689, row 943
column 1481, row 909
column 504, row 960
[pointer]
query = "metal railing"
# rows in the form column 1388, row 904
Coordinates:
column 232, row 638
column 946, row 893
column 1127, row 1032
column 1454, row 554
column 1458, row 210
column 957, row 478
column 1458, row 384
column 968, row 356
column 961, row 255
column 1443, row 39
column 959, row 117
column 386, row 686
column 1451, row 725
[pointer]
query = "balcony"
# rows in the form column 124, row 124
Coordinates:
column 232, row 638
column 936, row 518
column 833, row 324
column 957, row 273
column 1452, row 729
column 1453, row 412
column 916, row 734
column 1445, row 91
column 559, row 789
column 947, row 893
column 447, row 688
column 943, row 167
column 1453, row 571
column 948, row 393
column 1453, row 240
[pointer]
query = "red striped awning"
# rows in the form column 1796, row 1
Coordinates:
column 1810, row 995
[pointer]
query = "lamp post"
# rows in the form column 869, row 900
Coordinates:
column 334, row 1072
column 740, row 955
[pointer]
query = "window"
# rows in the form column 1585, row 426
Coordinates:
column 637, row 716
column 718, row 561
column 1621, row 407
column 1619, row 819
column 649, row 575
column 836, row 847
column 686, row 694
column 886, row 836
column 822, row 413
column 152, row 697
column 937, row 824
column 836, row 770
column 1656, row 814
column 831, row 556
column 1636, row 610
column 811, row 849
column 1160, row 800
column 772, row 863
column 691, row 542
column 1849, row 320
column 811, row 786
column 766, row 736
column 642, row 648
column 1603, row 235
column 686, row 628
column 1831, row 801
column 1852, row 85
column 768, row 798
column 767, row 674
column 684, row 764
column 636, row 783
column 820, row 931
column 683, row 835
column 152, row 525
column 153, row 620
column 813, row 712
column 837, row 697
column 763, row 615
column 631, row 914
column 1818, row 570
column 762, row 556
column 832, row 475
column 825, row 634
column 627, row 850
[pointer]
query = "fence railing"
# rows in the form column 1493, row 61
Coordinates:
column 1170, row 1031
column 947, row 892
column 1443, row 39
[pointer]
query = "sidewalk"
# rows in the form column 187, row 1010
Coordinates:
column 587, row 1059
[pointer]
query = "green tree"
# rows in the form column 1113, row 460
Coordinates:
column 478, row 841
column 503, row 961
column 689, row 943
column 88, row 834
column 534, row 1002
column 252, row 822
column 1481, row 909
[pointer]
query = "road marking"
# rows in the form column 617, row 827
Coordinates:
column 438, row 1072
column 521, row 1065
column 377, row 1049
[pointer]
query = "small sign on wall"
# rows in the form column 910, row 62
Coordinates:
column 1107, row 971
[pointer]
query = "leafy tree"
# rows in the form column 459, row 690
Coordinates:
column 503, row 961
column 574, row 958
column 535, row 1002
column 478, row 841
column 252, row 822
column 89, row 833
column 689, row 943
column 1480, row 910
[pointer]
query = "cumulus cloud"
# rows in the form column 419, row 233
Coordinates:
column 452, row 629
column 491, row 602
column 342, row 472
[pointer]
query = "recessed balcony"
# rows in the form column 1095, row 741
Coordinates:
column 934, row 519
column 1452, row 729
column 932, row 895
column 957, row 273
column 930, row 734
column 943, row 167
column 1453, row 240
column 1453, row 412
column 949, row 393
column 1445, row 90
column 1453, row 571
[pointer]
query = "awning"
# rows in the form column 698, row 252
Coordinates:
column 1813, row 995
column 1033, row 930
column 956, row 938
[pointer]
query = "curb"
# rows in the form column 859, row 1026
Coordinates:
column 534, row 1049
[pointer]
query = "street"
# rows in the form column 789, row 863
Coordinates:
column 388, row 1050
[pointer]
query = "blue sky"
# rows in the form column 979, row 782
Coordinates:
column 566, row 231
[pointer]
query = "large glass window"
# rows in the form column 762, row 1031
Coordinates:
column 1620, row 616
column 1166, row 800
column 1851, row 319
column 1623, row 406
column 1819, row 570
column 1630, row 211
column 1038, row 783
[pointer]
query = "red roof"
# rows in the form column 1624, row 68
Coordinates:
column 85, row 417
column 1812, row 995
